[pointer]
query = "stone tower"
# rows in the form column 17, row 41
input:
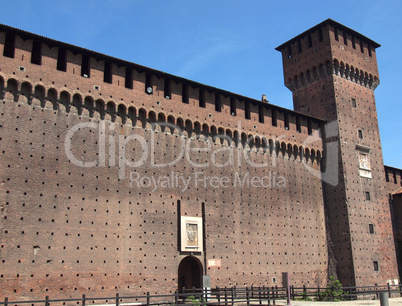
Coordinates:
column 332, row 73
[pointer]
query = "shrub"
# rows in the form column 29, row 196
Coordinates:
column 333, row 292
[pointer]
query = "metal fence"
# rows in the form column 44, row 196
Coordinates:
column 349, row 293
column 218, row 296
column 213, row 296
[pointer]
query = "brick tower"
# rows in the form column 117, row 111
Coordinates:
column 332, row 73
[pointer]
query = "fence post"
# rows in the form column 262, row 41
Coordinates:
column 259, row 295
column 176, row 301
column 218, row 290
column 117, row 299
column 389, row 290
column 148, row 298
column 226, row 296
column 247, row 296
column 6, row 301
column 46, row 300
column 318, row 292
column 305, row 292
column 83, row 300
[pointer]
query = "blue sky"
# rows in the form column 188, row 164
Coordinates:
column 222, row 43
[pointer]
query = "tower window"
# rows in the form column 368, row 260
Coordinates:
column 376, row 266
column 128, row 83
column 85, row 66
column 184, row 93
column 286, row 121
column 107, row 73
column 353, row 42
column 345, row 38
column 148, row 83
column 274, row 120
column 62, row 59
column 201, row 98
column 218, row 105
column 232, row 106
column 371, row 228
column 167, row 89
column 310, row 41
column 362, row 46
column 36, row 55
column 298, row 126
column 9, row 45
column 336, row 34
column 369, row 50
column 320, row 36
column 367, row 195
column 354, row 102
column 247, row 110
column 261, row 114
column 289, row 51
column 309, row 128
column 360, row 133
column 299, row 46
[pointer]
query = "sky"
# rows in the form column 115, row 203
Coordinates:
column 222, row 43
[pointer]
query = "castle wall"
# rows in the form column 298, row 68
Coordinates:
column 80, row 212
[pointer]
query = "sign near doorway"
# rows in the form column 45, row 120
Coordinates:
column 191, row 234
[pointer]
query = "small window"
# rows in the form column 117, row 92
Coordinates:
column 367, row 195
column 360, row 133
column 299, row 46
column 261, row 114
column 386, row 176
column 128, row 83
column 309, row 127
column 274, row 120
column 354, row 102
column 218, row 106
column 184, row 93
column 167, row 89
column 353, row 42
column 36, row 55
column 345, row 38
column 148, row 84
column 371, row 228
column 362, row 46
column 336, row 34
column 376, row 266
column 289, row 51
column 62, row 60
column 201, row 98
column 298, row 125
column 107, row 73
column 85, row 66
column 9, row 45
column 369, row 50
column 232, row 106
column 310, row 40
column 320, row 36
column 247, row 110
column 286, row 121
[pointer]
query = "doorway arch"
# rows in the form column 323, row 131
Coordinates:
column 189, row 273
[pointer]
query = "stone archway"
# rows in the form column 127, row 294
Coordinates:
column 189, row 273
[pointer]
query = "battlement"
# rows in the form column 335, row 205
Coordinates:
column 339, row 50
column 45, row 69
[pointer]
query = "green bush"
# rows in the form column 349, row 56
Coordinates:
column 333, row 292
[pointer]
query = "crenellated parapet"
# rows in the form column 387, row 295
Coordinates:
column 335, row 68
column 90, row 107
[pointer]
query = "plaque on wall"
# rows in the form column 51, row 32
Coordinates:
column 191, row 234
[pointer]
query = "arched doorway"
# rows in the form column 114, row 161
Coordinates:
column 190, row 273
